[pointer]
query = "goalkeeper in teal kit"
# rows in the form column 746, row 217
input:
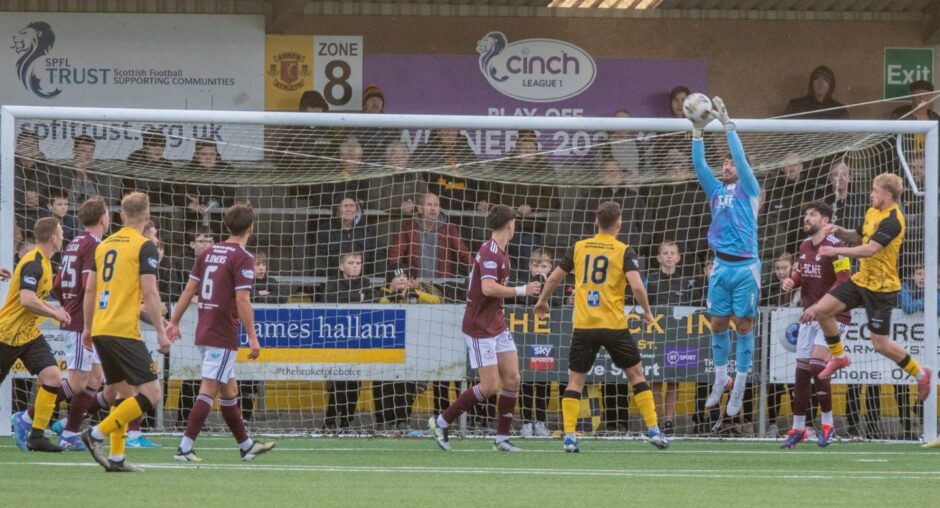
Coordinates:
column 734, row 285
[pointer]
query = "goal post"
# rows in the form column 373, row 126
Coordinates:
column 297, row 190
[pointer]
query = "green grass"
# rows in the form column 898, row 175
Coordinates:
column 387, row 472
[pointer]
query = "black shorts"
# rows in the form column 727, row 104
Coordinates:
column 124, row 360
column 586, row 343
column 878, row 306
column 36, row 355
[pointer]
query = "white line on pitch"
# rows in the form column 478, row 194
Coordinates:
column 863, row 475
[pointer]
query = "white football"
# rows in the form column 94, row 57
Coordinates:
column 697, row 107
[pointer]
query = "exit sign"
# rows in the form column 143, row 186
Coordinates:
column 903, row 66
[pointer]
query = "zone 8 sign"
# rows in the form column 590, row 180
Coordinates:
column 337, row 70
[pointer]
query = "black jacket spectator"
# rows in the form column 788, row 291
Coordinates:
column 355, row 290
column 822, row 84
column 345, row 234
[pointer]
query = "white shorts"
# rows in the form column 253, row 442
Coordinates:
column 218, row 364
column 812, row 335
column 76, row 356
column 483, row 351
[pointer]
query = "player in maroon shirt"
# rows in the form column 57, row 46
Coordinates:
column 223, row 276
column 84, row 367
column 815, row 275
column 492, row 350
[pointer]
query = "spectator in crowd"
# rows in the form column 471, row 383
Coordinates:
column 444, row 154
column 346, row 232
column 83, row 185
column 848, row 203
column 528, row 200
column 674, row 209
column 374, row 140
column 393, row 399
column 149, row 168
column 664, row 147
column 429, row 246
column 781, row 215
column 676, row 99
column 913, row 207
column 920, row 107
column 59, row 208
column 534, row 394
column 773, row 295
column 612, row 177
column 346, row 286
column 34, row 179
column 667, row 287
column 397, row 193
column 266, row 288
column 818, row 102
column 699, row 295
column 351, row 177
column 201, row 199
column 912, row 292
column 623, row 147
column 200, row 239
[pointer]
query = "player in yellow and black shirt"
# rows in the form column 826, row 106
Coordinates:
column 602, row 267
column 125, row 275
column 876, row 284
column 20, row 338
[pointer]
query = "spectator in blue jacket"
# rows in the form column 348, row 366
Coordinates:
column 912, row 292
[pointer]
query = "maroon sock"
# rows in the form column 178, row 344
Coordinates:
column 464, row 402
column 505, row 406
column 63, row 393
column 93, row 403
column 197, row 416
column 823, row 386
column 803, row 388
column 135, row 425
column 78, row 409
column 232, row 414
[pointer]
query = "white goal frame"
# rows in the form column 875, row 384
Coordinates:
column 9, row 115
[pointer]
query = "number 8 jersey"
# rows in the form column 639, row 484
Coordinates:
column 600, row 265
column 120, row 260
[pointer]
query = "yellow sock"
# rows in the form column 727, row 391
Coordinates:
column 909, row 365
column 836, row 349
column 644, row 401
column 570, row 408
column 43, row 408
column 118, row 439
column 120, row 416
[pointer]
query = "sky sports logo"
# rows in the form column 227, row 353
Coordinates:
column 541, row 357
column 681, row 357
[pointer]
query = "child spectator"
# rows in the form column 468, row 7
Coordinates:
column 59, row 208
column 534, row 394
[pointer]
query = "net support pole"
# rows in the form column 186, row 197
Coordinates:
column 7, row 148
column 930, row 266
column 763, row 324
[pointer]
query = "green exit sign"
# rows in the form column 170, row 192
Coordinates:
column 903, row 66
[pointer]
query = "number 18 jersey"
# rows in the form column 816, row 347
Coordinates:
column 221, row 271
column 600, row 265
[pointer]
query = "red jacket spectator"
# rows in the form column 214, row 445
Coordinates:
column 451, row 252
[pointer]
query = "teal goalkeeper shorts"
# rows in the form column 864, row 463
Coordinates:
column 734, row 288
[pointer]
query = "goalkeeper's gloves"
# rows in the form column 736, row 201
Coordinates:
column 721, row 113
column 698, row 126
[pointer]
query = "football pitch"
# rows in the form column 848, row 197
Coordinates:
column 413, row 472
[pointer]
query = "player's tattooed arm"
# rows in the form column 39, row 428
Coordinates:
column 849, row 237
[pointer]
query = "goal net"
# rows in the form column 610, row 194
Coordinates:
column 367, row 224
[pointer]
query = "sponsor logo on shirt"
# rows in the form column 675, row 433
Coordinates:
column 489, row 264
column 248, row 274
column 153, row 262
column 30, row 280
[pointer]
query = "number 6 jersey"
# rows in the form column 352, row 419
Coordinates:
column 221, row 271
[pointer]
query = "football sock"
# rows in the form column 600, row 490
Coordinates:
column 133, row 428
column 118, row 440
column 62, row 392
column 721, row 348
column 232, row 414
column 197, row 418
column 822, row 388
column 826, row 417
column 907, row 363
column 721, row 375
column 464, row 402
column 102, row 401
column 802, row 392
column 77, row 411
column 123, row 414
column 740, row 380
column 744, row 349
column 505, row 407
column 44, row 406
column 570, row 409
column 835, row 345
column 644, row 401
